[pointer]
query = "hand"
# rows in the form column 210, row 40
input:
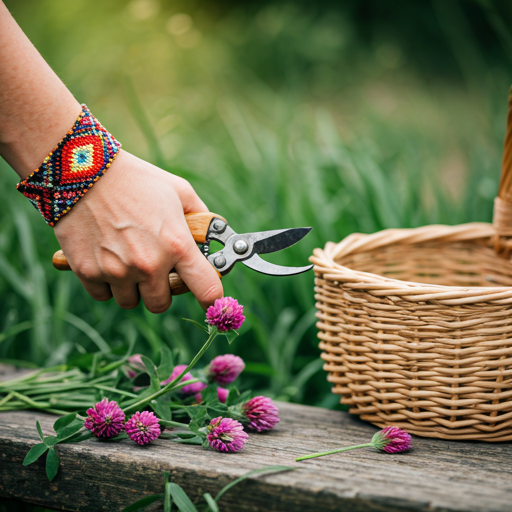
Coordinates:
column 128, row 232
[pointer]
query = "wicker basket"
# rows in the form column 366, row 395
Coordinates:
column 415, row 325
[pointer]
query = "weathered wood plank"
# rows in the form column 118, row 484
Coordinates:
column 96, row 476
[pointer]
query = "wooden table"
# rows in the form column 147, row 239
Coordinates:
column 97, row 476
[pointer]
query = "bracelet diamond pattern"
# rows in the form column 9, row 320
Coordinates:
column 71, row 169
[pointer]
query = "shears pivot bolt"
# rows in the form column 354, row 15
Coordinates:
column 240, row 246
column 219, row 226
column 219, row 261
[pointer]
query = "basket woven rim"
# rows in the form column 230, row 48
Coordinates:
column 324, row 264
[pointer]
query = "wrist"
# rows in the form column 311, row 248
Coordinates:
column 71, row 168
column 27, row 139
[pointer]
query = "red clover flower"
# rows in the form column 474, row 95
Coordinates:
column 225, row 369
column 190, row 389
column 222, row 395
column 226, row 314
column 136, row 360
column 226, row 435
column 261, row 413
column 392, row 440
column 135, row 363
column 143, row 427
column 389, row 440
column 105, row 420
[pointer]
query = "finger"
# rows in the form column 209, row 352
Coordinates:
column 125, row 293
column 194, row 205
column 200, row 277
column 98, row 291
column 156, row 293
column 190, row 201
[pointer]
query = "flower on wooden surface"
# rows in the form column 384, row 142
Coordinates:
column 226, row 435
column 225, row 369
column 225, row 314
column 261, row 413
column 389, row 440
column 105, row 419
column 392, row 440
column 190, row 389
column 142, row 427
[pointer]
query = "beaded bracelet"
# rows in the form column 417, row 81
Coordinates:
column 71, row 169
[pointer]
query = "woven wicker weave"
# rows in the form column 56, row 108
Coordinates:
column 415, row 325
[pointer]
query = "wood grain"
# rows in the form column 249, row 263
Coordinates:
column 436, row 476
column 59, row 261
column 178, row 286
column 198, row 223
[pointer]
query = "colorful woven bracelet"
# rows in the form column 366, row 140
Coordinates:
column 71, row 169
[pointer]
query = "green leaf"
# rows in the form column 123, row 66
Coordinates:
column 119, row 437
column 50, row 440
column 52, row 463
column 230, row 336
column 198, row 415
column 64, row 421
column 177, row 435
column 268, row 469
column 167, row 494
column 161, row 408
column 235, row 398
column 16, row 329
column 143, row 503
column 216, row 410
column 181, row 499
column 211, row 502
column 70, row 430
column 193, row 440
column 40, row 431
column 153, row 375
column 185, row 435
column 77, row 438
column 143, row 394
column 94, row 364
column 166, row 363
column 89, row 331
column 203, row 327
column 34, row 453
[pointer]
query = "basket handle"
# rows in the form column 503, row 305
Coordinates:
column 502, row 218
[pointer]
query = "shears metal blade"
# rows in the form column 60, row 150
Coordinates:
column 246, row 247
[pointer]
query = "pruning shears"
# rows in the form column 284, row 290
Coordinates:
column 244, row 247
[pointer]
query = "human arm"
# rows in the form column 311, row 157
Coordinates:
column 129, row 231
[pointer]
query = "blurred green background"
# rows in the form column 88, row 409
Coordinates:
column 341, row 115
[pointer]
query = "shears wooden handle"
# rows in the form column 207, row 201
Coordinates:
column 198, row 223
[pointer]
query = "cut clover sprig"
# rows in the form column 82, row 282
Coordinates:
column 389, row 440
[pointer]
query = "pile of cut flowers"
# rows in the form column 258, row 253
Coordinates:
column 130, row 397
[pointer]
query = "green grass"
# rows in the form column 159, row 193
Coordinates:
column 279, row 119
